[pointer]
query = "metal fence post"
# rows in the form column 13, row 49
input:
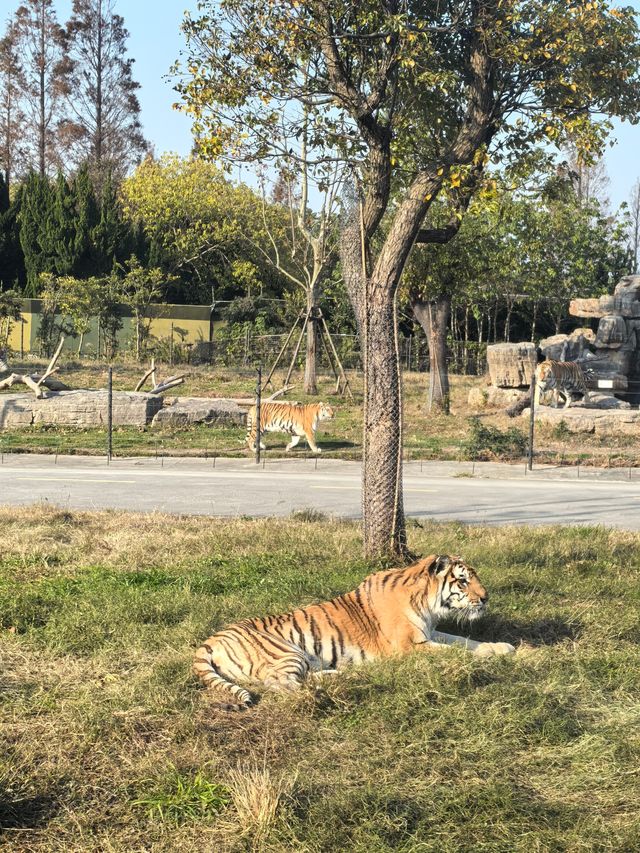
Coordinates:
column 171, row 347
column 110, row 416
column 531, row 420
column 258, row 407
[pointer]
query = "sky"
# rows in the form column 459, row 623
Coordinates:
column 156, row 41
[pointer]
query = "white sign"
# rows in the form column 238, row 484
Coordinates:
column 605, row 383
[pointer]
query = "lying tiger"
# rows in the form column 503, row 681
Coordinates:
column 561, row 377
column 391, row 612
column 296, row 419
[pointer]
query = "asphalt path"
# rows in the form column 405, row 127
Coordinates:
column 497, row 494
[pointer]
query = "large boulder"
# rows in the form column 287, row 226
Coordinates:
column 511, row 365
column 580, row 420
column 567, row 347
column 77, row 409
column 624, row 304
column 612, row 332
column 184, row 411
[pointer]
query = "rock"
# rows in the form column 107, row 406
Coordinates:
column 585, row 308
column 604, row 400
column 567, row 347
column 77, row 409
column 624, row 305
column 183, row 411
column 511, row 365
column 629, row 286
column 607, row 363
column 612, row 332
column 601, row 422
column 490, row 397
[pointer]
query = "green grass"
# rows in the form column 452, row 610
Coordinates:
column 106, row 742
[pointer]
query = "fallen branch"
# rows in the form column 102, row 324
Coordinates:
column 171, row 382
column 35, row 381
column 278, row 393
column 162, row 386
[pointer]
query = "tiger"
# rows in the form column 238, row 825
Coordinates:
column 561, row 377
column 391, row 612
column 297, row 419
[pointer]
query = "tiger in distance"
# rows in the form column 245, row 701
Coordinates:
column 299, row 420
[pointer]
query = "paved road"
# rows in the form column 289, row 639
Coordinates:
column 486, row 494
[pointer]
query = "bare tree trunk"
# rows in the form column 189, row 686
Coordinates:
column 433, row 316
column 534, row 318
column 311, row 358
column 466, row 338
column 42, row 120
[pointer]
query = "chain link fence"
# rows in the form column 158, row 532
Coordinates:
column 463, row 357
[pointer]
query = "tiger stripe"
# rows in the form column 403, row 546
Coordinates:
column 296, row 419
column 390, row 612
column 562, row 377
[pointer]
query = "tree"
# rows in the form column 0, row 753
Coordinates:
column 198, row 223
column 35, row 222
column 77, row 302
column 103, row 129
column 141, row 287
column 12, row 271
column 303, row 250
column 634, row 224
column 414, row 95
column 12, row 117
column 39, row 41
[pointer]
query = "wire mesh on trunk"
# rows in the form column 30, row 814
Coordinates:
column 383, row 523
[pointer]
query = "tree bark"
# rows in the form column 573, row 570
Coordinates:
column 433, row 316
column 311, row 357
column 383, row 512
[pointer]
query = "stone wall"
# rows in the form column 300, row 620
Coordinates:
column 89, row 409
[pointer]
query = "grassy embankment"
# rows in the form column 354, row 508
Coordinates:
column 425, row 436
column 107, row 744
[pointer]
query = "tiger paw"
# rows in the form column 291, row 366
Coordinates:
column 486, row 650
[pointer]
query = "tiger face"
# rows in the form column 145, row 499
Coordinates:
column 544, row 374
column 325, row 412
column 460, row 594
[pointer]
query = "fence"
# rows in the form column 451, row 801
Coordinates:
column 468, row 357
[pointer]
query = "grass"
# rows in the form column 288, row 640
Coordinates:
column 426, row 436
column 106, row 742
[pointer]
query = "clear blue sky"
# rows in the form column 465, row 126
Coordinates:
column 156, row 41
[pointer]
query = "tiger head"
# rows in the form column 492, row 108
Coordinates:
column 325, row 412
column 459, row 592
column 544, row 373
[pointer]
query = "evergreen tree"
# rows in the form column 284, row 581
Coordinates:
column 12, row 272
column 104, row 125
column 87, row 219
column 111, row 236
column 36, row 230
column 61, row 246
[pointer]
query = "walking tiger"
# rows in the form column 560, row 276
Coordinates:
column 391, row 612
column 561, row 377
column 297, row 419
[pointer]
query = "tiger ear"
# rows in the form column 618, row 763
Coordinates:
column 440, row 564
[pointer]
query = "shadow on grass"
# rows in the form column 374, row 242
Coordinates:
column 33, row 812
column 538, row 632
